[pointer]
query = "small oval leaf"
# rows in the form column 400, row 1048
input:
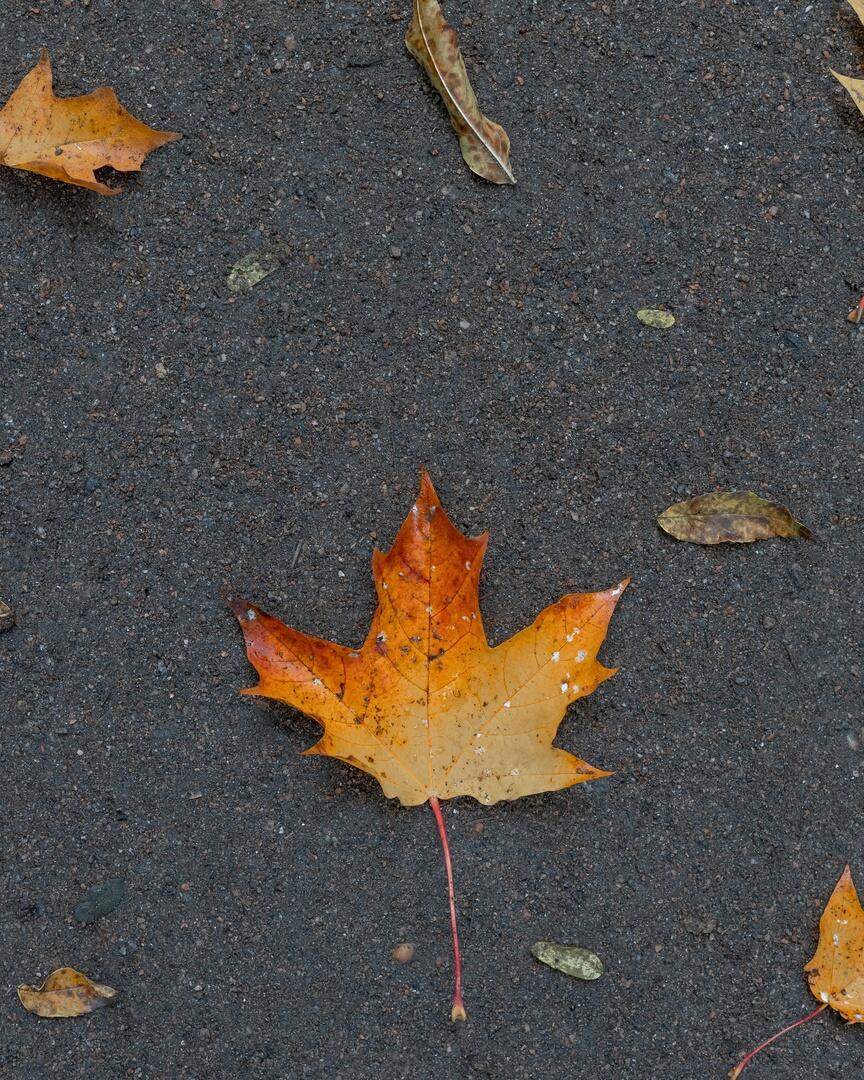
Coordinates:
column 571, row 959
column 730, row 517
column 656, row 317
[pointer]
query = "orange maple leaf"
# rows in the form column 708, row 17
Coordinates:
column 426, row 706
column 836, row 970
column 69, row 138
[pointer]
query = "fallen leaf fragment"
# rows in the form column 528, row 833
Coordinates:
column 571, row 959
column 425, row 705
column 857, row 312
column 735, row 517
column 69, row 138
column 404, row 953
column 854, row 87
column 66, row 992
column 433, row 44
column 656, row 317
column 7, row 616
column 836, row 972
column 100, row 900
column 250, row 269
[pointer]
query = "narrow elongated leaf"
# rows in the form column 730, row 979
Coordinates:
column 733, row 517
column 66, row 992
column 433, row 43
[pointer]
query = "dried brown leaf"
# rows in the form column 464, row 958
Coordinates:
column 433, row 43
column 734, row 517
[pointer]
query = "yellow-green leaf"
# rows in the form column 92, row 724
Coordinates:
column 571, row 959
column 656, row 317
column 433, row 44
column 66, row 992
column 735, row 517
column 250, row 269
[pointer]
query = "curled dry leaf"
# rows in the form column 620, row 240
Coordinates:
column 836, row 972
column 425, row 705
column 68, row 138
column 66, row 992
column 854, row 87
column 433, row 43
column 571, row 959
column 7, row 616
column 734, row 517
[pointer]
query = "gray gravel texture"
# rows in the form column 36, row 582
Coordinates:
column 167, row 443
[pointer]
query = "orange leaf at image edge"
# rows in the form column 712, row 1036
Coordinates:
column 836, row 972
column 67, row 139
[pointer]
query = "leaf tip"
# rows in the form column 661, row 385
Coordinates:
column 428, row 494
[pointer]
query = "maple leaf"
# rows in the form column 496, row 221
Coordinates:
column 836, row 970
column 68, row 138
column 425, row 705
column 432, row 42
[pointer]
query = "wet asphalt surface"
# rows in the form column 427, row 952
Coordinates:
column 164, row 443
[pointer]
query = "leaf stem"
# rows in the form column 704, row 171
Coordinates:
column 739, row 1068
column 458, row 1012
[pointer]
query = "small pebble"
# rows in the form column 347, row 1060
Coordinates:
column 395, row 252
column 404, row 953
